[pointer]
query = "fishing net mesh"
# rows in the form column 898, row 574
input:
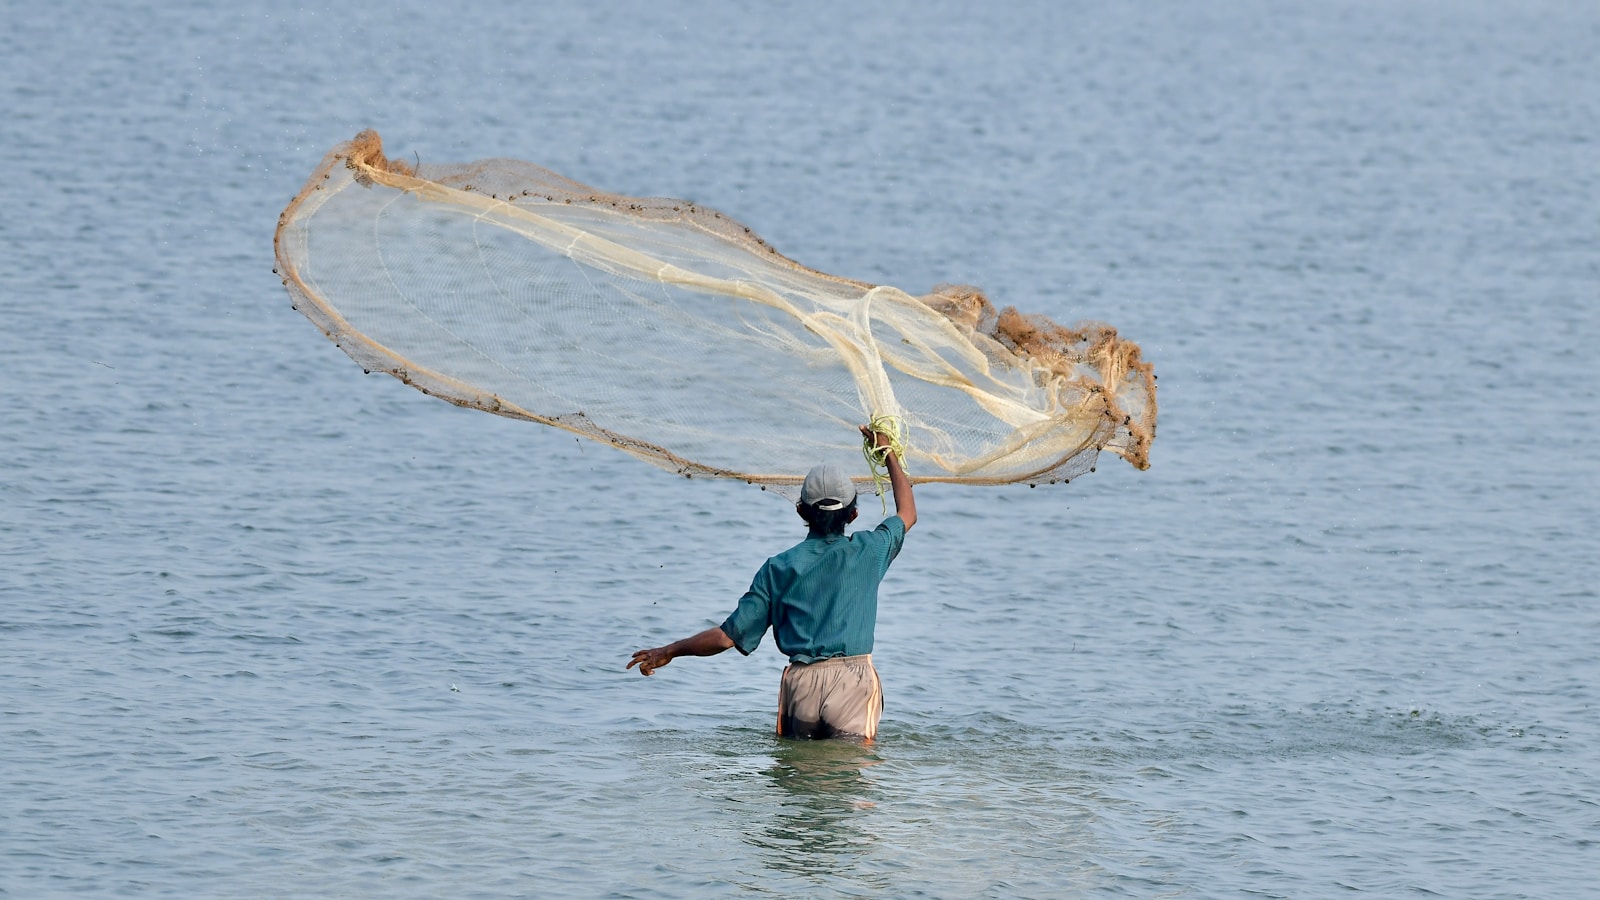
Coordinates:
column 676, row 334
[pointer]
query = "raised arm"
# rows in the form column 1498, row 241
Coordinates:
column 707, row 643
column 905, row 504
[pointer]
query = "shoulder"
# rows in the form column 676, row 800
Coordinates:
column 787, row 561
column 787, row 556
column 891, row 530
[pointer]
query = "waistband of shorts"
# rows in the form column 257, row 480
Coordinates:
column 837, row 661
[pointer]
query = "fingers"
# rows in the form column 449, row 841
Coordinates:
column 645, row 660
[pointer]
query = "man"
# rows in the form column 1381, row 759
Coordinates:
column 820, row 598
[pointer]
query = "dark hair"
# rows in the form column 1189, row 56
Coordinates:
column 828, row 521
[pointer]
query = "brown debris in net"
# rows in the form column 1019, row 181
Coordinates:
column 365, row 151
column 1095, row 344
column 1062, row 349
column 965, row 305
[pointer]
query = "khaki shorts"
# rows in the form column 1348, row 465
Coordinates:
column 837, row 697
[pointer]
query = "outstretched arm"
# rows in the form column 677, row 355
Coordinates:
column 707, row 643
column 905, row 505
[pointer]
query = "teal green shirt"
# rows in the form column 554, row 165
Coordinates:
column 819, row 597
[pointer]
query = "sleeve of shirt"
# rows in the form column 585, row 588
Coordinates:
column 749, row 620
column 893, row 532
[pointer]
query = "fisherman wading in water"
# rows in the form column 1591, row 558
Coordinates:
column 820, row 598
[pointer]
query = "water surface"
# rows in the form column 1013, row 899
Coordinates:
column 268, row 626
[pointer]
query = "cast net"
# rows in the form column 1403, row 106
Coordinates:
column 674, row 333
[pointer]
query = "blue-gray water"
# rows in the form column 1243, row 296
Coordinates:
column 272, row 628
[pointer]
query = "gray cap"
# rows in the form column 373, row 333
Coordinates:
column 827, row 487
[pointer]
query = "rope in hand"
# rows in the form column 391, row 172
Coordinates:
column 878, row 457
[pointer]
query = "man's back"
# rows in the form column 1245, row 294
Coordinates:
column 819, row 597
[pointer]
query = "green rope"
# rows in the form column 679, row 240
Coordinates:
column 877, row 457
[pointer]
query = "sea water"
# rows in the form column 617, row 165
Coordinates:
column 272, row 628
